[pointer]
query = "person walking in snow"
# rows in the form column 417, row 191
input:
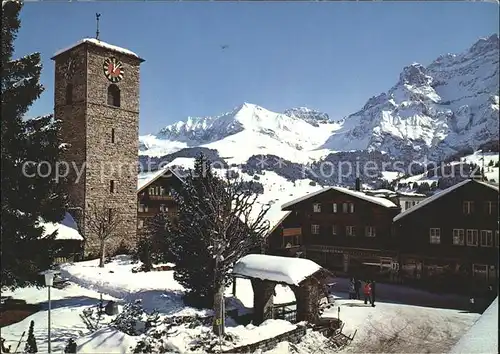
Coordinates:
column 352, row 291
column 373, row 292
column 357, row 287
column 367, row 291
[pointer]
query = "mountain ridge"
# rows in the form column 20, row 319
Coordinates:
column 432, row 111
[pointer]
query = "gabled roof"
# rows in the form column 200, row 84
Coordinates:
column 442, row 194
column 146, row 178
column 360, row 195
column 98, row 43
column 279, row 222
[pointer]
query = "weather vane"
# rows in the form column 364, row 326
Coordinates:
column 97, row 30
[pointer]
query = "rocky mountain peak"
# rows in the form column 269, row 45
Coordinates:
column 415, row 75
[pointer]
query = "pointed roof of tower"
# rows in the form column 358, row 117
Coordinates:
column 98, row 43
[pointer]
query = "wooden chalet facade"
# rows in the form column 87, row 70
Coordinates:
column 343, row 230
column 154, row 195
column 451, row 238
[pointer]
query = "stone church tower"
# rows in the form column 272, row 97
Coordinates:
column 96, row 97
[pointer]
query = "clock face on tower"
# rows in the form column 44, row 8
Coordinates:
column 113, row 69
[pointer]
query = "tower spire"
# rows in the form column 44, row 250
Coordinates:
column 97, row 15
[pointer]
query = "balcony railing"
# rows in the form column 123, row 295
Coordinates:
column 161, row 197
column 292, row 231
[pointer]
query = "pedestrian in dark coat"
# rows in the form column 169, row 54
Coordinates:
column 352, row 291
column 373, row 292
column 357, row 286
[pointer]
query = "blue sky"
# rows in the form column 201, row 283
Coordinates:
column 331, row 56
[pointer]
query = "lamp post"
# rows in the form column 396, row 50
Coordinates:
column 49, row 282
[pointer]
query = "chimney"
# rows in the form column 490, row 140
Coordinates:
column 358, row 184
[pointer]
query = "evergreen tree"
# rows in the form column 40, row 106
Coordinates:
column 30, row 346
column 153, row 245
column 30, row 150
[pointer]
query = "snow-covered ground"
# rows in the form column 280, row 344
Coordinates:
column 389, row 327
column 490, row 172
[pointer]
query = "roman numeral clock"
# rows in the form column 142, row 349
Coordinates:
column 113, row 69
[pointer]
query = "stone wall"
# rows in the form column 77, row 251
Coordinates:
column 293, row 336
column 87, row 125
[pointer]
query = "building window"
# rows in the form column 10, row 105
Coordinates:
column 351, row 207
column 350, row 231
column 140, row 224
column 458, row 237
column 112, row 135
column 69, row 93
column 370, row 231
column 407, row 205
column 479, row 270
column 334, row 229
column 489, row 208
column 110, row 214
column 142, row 208
column 163, row 208
column 468, row 207
column 472, row 237
column 344, row 207
column 112, row 186
column 315, row 229
column 291, row 241
column 486, row 238
column 334, row 207
column 435, row 235
column 113, row 95
column 317, row 208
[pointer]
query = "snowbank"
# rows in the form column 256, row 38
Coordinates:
column 287, row 270
column 482, row 337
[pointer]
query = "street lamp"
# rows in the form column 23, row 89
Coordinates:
column 49, row 282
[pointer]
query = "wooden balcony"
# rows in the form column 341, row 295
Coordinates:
column 160, row 197
column 292, row 231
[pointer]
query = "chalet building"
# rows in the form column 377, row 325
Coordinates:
column 451, row 238
column 344, row 230
column 154, row 194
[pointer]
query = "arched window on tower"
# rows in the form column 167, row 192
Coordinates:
column 69, row 94
column 113, row 95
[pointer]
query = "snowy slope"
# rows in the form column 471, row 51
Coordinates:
column 434, row 110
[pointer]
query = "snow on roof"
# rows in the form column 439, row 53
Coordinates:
column 144, row 179
column 279, row 222
column 67, row 229
column 99, row 44
column 287, row 270
column 482, row 337
column 441, row 194
column 411, row 194
column 377, row 200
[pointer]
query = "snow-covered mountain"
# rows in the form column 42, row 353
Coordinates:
column 431, row 111
column 246, row 131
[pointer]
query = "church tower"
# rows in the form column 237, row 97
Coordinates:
column 96, row 98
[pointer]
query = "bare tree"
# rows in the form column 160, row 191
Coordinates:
column 219, row 221
column 102, row 223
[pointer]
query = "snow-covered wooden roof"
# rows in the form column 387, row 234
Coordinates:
column 441, row 194
column 287, row 270
column 67, row 229
column 279, row 222
column 376, row 200
column 101, row 44
column 144, row 179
